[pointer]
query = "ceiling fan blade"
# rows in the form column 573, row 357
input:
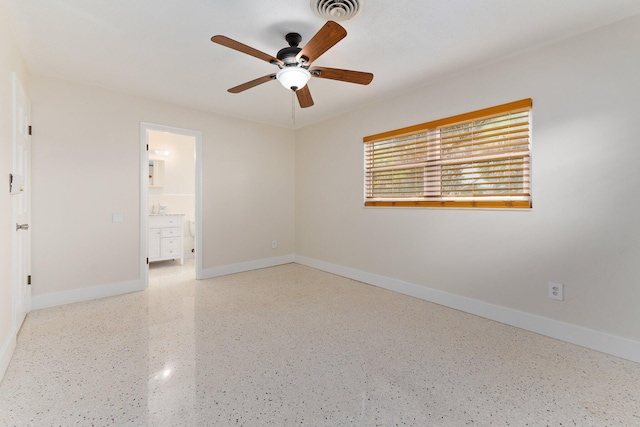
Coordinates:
column 304, row 97
column 230, row 43
column 252, row 83
column 330, row 34
column 349, row 76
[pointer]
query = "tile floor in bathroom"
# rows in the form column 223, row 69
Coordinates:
column 291, row 345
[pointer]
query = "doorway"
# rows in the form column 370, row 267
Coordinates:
column 171, row 183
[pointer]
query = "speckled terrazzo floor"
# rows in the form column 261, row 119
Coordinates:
column 291, row 345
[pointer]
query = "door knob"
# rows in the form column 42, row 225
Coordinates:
column 22, row 227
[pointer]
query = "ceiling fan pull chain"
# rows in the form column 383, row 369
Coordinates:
column 293, row 106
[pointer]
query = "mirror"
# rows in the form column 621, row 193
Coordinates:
column 156, row 173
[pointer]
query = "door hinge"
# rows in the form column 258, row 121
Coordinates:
column 30, row 130
column 147, row 261
column 28, row 279
column 147, row 147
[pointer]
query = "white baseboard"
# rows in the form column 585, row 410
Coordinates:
column 6, row 352
column 85, row 294
column 94, row 292
column 589, row 338
column 241, row 267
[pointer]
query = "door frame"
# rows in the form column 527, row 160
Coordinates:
column 21, row 288
column 144, row 193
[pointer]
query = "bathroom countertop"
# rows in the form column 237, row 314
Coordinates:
column 166, row 214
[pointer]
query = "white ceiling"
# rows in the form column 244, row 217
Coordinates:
column 161, row 49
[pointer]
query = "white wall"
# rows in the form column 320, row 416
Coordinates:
column 86, row 166
column 10, row 62
column 583, row 230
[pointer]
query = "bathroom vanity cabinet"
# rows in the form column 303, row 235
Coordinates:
column 165, row 238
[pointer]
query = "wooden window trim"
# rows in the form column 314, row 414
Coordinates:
column 493, row 204
column 499, row 109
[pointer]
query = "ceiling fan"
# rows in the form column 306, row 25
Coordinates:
column 294, row 62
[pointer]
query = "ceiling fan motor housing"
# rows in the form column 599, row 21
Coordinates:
column 288, row 54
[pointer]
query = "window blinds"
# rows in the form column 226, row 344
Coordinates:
column 478, row 159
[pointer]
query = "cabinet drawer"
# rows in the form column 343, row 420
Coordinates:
column 170, row 232
column 164, row 221
column 170, row 243
column 167, row 253
column 171, row 247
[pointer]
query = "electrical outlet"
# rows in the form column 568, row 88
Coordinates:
column 556, row 291
column 274, row 244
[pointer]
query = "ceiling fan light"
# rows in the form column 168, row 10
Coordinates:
column 293, row 78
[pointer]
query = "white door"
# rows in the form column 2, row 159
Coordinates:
column 20, row 194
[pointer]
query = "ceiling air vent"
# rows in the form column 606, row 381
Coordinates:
column 337, row 10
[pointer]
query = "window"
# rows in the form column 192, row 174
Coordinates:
column 479, row 159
